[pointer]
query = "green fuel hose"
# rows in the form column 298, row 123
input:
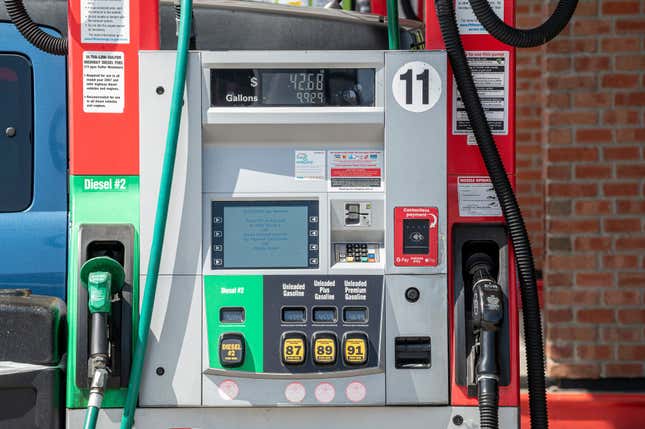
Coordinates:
column 91, row 417
column 183, row 40
column 393, row 35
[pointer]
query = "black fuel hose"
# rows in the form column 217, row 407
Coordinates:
column 510, row 209
column 524, row 38
column 488, row 398
column 408, row 10
column 30, row 31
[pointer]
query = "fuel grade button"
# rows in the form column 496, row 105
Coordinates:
column 293, row 348
column 355, row 348
column 324, row 348
column 231, row 350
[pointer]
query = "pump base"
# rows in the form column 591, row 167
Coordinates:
column 298, row 418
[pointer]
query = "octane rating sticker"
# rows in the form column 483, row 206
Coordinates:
column 228, row 390
column 356, row 391
column 325, row 393
column 416, row 86
column 295, row 392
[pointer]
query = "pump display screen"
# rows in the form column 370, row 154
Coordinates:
column 265, row 234
column 292, row 87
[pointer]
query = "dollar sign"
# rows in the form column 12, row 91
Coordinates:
column 254, row 82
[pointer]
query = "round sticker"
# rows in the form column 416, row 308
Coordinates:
column 355, row 391
column 295, row 392
column 228, row 390
column 416, row 86
column 325, row 392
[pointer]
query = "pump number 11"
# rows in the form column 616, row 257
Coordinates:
column 416, row 86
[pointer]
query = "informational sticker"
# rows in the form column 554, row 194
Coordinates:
column 468, row 22
column 309, row 165
column 477, row 197
column 103, row 82
column 325, row 392
column 105, row 21
column 490, row 73
column 360, row 170
column 295, row 392
column 416, row 86
column 228, row 390
column 356, row 391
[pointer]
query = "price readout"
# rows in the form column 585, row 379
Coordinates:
column 292, row 87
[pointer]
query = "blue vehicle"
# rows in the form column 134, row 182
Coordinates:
column 33, row 166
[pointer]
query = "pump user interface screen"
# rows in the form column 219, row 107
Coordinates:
column 264, row 234
column 292, row 87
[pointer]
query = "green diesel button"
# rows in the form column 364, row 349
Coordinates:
column 231, row 350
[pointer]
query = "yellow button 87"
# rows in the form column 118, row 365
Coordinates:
column 293, row 350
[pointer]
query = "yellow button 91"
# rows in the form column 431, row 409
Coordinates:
column 293, row 350
column 325, row 350
column 355, row 350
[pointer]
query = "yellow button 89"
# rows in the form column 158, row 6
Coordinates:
column 325, row 350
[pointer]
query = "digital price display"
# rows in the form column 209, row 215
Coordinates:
column 324, row 315
column 264, row 234
column 292, row 87
column 355, row 314
column 294, row 314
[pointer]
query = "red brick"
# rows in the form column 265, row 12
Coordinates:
column 594, row 135
column 591, row 99
column 590, row 244
column 554, row 351
column 631, row 135
column 570, row 262
column 620, row 44
column 593, row 171
column 631, row 352
column 578, row 333
column 596, row 315
column 617, row 153
column 616, row 334
column 631, row 279
column 620, row 80
column 636, row 171
column 621, row 117
column 569, row 154
column 558, row 172
column 556, row 316
column 630, row 25
column 558, row 279
column 622, row 225
column 560, row 296
column 557, row 64
column 631, row 316
column 566, row 45
column 571, row 82
column 620, row 7
column 620, row 189
column 573, row 225
column 591, row 27
column 558, row 101
column 623, row 370
column 632, row 98
column 630, row 243
column 572, row 189
column 573, row 370
column 585, row 8
column 594, row 279
column 594, row 352
column 572, row 118
column 592, row 63
column 630, row 62
column 620, row 262
column 622, row 297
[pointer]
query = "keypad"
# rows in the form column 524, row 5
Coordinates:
column 356, row 252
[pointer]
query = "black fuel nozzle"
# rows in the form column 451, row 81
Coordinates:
column 487, row 316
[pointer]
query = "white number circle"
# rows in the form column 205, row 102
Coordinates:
column 416, row 86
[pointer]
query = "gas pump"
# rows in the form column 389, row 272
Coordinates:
column 303, row 260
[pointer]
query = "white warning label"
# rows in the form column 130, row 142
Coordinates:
column 105, row 21
column 103, row 82
column 490, row 73
column 477, row 197
column 468, row 22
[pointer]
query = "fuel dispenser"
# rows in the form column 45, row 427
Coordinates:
column 304, row 259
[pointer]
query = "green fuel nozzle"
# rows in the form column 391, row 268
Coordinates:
column 103, row 277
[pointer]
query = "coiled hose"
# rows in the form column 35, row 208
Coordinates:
column 30, row 31
column 488, row 399
column 524, row 38
column 510, row 209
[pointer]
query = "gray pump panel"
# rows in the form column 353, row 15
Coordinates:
column 305, row 258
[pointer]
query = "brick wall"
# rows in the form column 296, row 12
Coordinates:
column 591, row 144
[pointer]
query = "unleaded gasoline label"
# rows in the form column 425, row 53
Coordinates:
column 416, row 86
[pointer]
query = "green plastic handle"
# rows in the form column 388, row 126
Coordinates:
column 99, row 288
